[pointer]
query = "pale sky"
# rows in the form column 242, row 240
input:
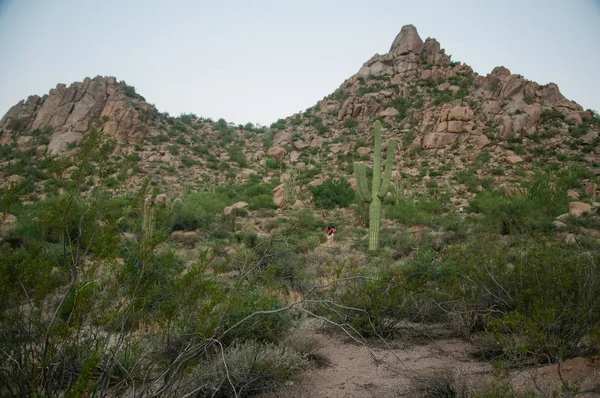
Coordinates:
column 260, row 60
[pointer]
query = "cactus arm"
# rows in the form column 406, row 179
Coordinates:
column 387, row 175
column 361, row 181
column 377, row 160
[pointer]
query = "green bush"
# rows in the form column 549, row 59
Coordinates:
column 539, row 298
column 411, row 212
column 262, row 201
column 333, row 193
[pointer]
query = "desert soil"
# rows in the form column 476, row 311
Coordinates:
column 418, row 367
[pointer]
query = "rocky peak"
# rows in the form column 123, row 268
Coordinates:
column 406, row 54
column 101, row 102
column 407, row 41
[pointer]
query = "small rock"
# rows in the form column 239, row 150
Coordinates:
column 514, row 159
column 577, row 209
column 559, row 224
column 161, row 198
column 572, row 194
column 389, row 112
column 239, row 205
column 276, row 152
column 570, row 239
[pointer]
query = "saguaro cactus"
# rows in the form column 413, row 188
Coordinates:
column 378, row 188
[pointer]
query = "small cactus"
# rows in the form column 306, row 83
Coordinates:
column 148, row 218
column 379, row 188
column 288, row 187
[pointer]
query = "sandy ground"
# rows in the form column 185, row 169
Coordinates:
column 419, row 369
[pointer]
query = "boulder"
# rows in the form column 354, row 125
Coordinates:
column 570, row 239
column 462, row 113
column 389, row 112
column 456, row 126
column 282, row 138
column 59, row 142
column 294, row 156
column 511, row 86
column 574, row 118
column 590, row 137
column 577, row 209
column 13, row 179
column 316, row 142
column 480, row 141
column 505, row 124
column 590, row 188
column 572, row 194
column 40, row 150
column 300, row 145
column 407, row 41
column 239, row 205
column 276, row 152
column 559, row 224
column 246, row 173
column 279, row 196
column 24, row 142
column 513, row 159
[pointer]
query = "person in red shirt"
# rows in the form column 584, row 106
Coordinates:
column 330, row 233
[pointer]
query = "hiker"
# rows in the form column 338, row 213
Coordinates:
column 330, row 233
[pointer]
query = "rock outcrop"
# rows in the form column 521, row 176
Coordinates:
column 100, row 102
column 407, row 52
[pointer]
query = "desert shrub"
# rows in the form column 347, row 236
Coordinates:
column 538, row 299
column 333, row 193
column 516, row 215
column 350, row 123
column 261, row 201
column 236, row 155
column 279, row 124
column 188, row 161
column 273, row 164
column 371, row 301
column 245, row 370
column 469, row 179
column 401, row 105
column 533, row 208
column 200, row 211
column 262, row 327
column 413, row 212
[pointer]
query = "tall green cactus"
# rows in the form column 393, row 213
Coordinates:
column 378, row 188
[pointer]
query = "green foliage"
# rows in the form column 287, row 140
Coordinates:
column 279, row 124
column 532, row 208
column 411, row 212
column 401, row 105
column 273, row 164
column 130, row 92
column 468, row 178
column 236, row 155
column 539, row 298
column 333, row 193
column 350, row 123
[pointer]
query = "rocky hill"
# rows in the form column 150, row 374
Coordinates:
column 455, row 129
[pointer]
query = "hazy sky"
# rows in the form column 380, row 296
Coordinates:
column 257, row 61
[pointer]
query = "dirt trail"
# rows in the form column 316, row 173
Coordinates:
column 406, row 370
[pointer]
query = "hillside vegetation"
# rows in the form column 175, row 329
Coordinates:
column 149, row 255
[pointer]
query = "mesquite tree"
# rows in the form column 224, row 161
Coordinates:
column 378, row 188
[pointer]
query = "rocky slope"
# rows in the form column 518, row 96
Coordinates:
column 446, row 118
